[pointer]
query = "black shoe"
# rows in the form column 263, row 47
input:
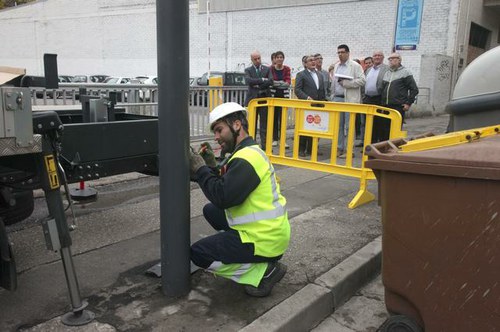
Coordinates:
column 275, row 272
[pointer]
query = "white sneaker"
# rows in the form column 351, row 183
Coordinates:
column 287, row 146
column 275, row 143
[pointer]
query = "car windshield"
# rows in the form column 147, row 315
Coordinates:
column 98, row 78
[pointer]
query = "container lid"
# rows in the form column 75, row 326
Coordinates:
column 476, row 159
column 480, row 77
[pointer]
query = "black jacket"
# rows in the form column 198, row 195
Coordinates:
column 258, row 84
column 398, row 87
column 232, row 188
column 305, row 86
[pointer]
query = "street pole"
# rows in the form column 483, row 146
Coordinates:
column 172, row 21
column 208, row 38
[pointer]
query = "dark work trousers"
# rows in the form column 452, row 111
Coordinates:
column 399, row 108
column 381, row 126
column 262, row 115
column 277, row 116
column 225, row 246
column 277, row 123
column 305, row 144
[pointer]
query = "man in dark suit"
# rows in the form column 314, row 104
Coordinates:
column 259, row 79
column 309, row 85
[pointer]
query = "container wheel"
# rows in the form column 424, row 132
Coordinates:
column 400, row 323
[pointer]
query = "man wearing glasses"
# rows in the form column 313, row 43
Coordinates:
column 399, row 87
column 318, row 58
column 373, row 96
column 347, row 82
column 309, row 85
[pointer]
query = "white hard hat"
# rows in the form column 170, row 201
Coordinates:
column 224, row 110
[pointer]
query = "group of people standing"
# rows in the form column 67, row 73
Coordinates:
column 390, row 86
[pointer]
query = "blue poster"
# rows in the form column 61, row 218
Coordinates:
column 408, row 24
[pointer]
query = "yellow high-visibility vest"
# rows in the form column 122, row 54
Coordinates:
column 262, row 218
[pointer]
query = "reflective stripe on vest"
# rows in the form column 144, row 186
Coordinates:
column 278, row 211
column 234, row 275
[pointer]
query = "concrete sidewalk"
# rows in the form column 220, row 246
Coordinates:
column 333, row 252
column 324, row 233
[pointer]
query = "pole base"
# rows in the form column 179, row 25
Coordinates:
column 83, row 195
column 78, row 318
column 155, row 270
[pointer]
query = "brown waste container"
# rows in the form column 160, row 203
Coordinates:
column 441, row 235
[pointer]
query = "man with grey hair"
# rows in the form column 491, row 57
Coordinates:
column 326, row 76
column 399, row 88
column 373, row 96
column 309, row 85
column 259, row 80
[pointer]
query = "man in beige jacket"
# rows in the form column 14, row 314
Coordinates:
column 348, row 79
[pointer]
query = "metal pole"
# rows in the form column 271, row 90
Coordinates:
column 172, row 21
column 208, row 39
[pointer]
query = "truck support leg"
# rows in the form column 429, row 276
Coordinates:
column 57, row 234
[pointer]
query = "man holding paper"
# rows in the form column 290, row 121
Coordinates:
column 346, row 87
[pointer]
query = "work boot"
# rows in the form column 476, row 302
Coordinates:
column 275, row 272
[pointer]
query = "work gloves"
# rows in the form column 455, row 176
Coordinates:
column 208, row 154
column 195, row 163
column 204, row 156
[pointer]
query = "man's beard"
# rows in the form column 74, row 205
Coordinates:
column 228, row 147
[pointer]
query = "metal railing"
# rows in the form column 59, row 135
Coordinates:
column 143, row 99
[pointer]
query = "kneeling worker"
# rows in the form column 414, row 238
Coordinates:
column 245, row 204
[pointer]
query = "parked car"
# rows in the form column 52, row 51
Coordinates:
column 66, row 78
column 117, row 80
column 148, row 79
column 145, row 94
column 89, row 78
column 229, row 78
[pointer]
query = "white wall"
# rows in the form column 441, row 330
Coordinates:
column 118, row 37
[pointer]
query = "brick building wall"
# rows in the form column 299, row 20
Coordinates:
column 118, row 37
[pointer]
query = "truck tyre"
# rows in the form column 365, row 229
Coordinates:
column 21, row 210
column 8, row 274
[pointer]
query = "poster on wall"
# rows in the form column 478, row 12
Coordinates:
column 316, row 121
column 408, row 24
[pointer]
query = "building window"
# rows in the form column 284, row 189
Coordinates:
column 479, row 36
